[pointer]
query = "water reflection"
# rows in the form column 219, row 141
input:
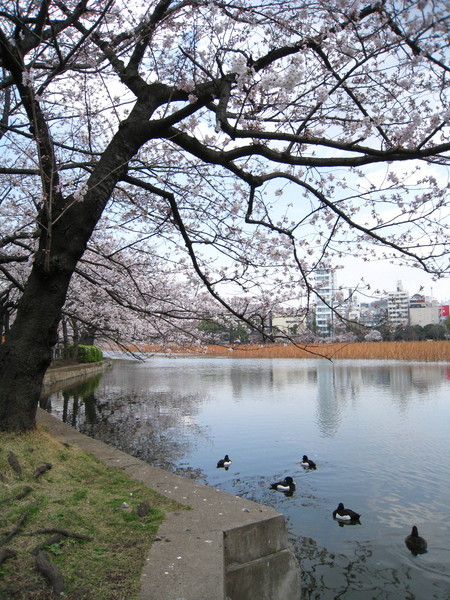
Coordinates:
column 71, row 396
column 378, row 432
column 328, row 409
column 127, row 414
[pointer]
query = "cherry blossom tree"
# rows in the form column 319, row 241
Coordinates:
column 250, row 141
column 130, row 298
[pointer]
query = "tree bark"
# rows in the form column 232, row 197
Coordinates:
column 26, row 353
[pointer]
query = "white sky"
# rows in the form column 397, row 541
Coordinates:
column 384, row 276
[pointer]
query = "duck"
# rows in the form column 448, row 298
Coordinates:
column 287, row 485
column 415, row 543
column 307, row 463
column 345, row 514
column 224, row 462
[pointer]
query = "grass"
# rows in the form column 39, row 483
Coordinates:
column 79, row 496
column 426, row 351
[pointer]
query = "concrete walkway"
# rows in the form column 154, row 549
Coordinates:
column 225, row 548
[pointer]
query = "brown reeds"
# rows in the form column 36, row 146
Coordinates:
column 426, row 351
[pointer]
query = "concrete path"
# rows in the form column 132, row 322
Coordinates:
column 224, row 548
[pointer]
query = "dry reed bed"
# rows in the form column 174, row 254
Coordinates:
column 427, row 351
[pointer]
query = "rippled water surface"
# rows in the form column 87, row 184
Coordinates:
column 378, row 431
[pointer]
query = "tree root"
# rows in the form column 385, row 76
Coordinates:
column 78, row 536
column 41, row 469
column 19, row 496
column 12, row 459
column 16, row 529
column 45, row 566
column 6, row 553
column 53, row 540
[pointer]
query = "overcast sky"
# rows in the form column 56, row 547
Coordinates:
column 384, row 277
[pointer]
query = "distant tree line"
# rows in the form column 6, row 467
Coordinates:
column 218, row 330
column 415, row 333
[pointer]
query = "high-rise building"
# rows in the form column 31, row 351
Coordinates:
column 398, row 307
column 324, row 285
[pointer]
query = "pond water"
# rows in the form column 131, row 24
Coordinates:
column 377, row 430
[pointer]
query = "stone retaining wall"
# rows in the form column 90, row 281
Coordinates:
column 54, row 375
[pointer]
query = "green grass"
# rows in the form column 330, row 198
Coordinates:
column 78, row 495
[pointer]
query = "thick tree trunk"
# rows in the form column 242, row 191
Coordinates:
column 26, row 353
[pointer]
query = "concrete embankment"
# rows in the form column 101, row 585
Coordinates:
column 224, row 548
column 78, row 371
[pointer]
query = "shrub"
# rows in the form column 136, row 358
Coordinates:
column 86, row 354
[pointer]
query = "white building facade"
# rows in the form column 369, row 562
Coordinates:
column 288, row 324
column 324, row 284
column 398, row 307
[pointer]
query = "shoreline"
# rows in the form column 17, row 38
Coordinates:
column 223, row 547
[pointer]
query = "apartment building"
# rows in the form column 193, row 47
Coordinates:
column 398, row 307
column 324, row 284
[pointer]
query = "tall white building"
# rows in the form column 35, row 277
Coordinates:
column 325, row 286
column 398, row 307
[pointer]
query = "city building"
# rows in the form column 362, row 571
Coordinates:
column 350, row 306
column 374, row 313
column 288, row 324
column 425, row 315
column 395, row 310
column 398, row 307
column 423, row 312
column 324, row 285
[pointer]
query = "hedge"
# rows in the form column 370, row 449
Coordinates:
column 87, row 354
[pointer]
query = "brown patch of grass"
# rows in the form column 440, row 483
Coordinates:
column 427, row 351
column 79, row 494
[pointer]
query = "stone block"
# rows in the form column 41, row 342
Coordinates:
column 273, row 577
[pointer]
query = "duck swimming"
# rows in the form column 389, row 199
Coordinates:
column 307, row 463
column 415, row 543
column 345, row 514
column 224, row 462
column 287, row 486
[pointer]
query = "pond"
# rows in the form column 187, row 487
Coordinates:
column 377, row 430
